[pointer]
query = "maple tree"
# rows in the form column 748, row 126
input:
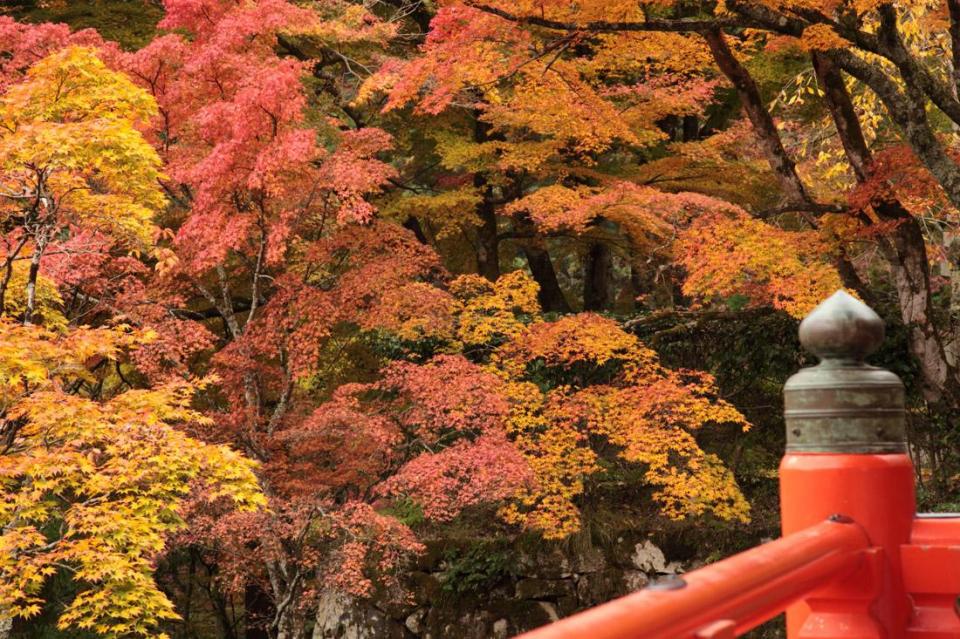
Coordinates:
column 71, row 157
column 876, row 67
column 559, row 144
column 92, row 486
column 265, row 212
column 562, row 384
column 356, row 233
column 258, row 201
column 93, row 476
column 735, row 255
column 582, row 377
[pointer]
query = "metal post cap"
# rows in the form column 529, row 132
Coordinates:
column 842, row 327
column 843, row 405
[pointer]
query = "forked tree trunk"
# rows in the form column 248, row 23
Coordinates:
column 904, row 248
column 794, row 191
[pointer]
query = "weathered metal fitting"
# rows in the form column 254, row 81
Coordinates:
column 669, row 582
column 843, row 405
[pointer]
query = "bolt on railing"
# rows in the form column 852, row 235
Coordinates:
column 854, row 561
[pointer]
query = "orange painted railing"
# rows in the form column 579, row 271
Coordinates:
column 854, row 562
column 728, row 597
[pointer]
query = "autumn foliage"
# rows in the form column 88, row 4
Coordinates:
column 295, row 289
column 95, row 486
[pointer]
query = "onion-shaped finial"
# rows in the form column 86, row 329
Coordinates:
column 842, row 327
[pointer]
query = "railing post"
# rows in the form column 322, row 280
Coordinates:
column 854, row 561
column 846, row 458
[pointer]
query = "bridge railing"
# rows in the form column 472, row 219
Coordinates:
column 855, row 561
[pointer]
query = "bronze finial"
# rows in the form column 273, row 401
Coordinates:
column 842, row 327
column 843, row 405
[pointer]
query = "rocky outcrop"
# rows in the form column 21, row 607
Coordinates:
column 525, row 590
column 343, row 617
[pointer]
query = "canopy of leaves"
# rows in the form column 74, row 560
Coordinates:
column 295, row 286
column 93, row 487
column 69, row 139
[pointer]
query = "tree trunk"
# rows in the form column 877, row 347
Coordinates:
column 292, row 625
column 760, row 118
column 951, row 249
column 34, row 273
column 903, row 248
column 844, row 115
column 488, row 242
column 907, row 109
column 597, row 278
column 550, row 296
column 8, row 270
column 691, row 127
column 906, row 253
column 222, row 612
column 413, row 224
column 953, row 7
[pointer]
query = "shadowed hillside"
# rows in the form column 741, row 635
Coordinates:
column 132, row 23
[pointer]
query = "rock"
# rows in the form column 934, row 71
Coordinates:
column 342, row 617
column 544, row 588
column 624, row 548
column 566, row 606
column 397, row 605
column 424, row 587
column 519, row 616
column 600, row 587
column 504, row 590
column 696, row 564
column 546, row 563
column 635, row 580
column 414, row 622
column 550, row 610
column 544, row 584
column 454, row 621
column 589, row 559
column 648, row 557
column 549, row 562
